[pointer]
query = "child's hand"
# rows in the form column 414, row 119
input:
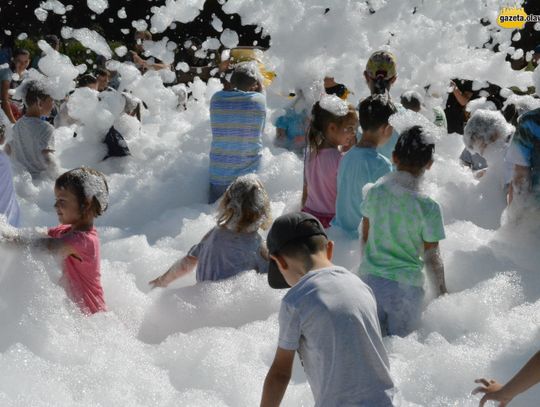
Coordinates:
column 159, row 282
column 493, row 391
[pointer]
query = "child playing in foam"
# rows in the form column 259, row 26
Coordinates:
column 333, row 124
column 291, row 127
column 32, row 143
column 486, row 134
column 401, row 230
column 234, row 245
column 363, row 164
column 81, row 195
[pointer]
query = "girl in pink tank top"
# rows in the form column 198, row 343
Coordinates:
column 332, row 131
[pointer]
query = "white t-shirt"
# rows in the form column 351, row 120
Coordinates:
column 330, row 317
column 30, row 137
column 9, row 206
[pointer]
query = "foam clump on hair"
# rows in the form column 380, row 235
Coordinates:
column 245, row 195
column 412, row 95
column 404, row 120
column 94, row 185
column 486, row 126
column 522, row 103
column 334, row 105
column 249, row 68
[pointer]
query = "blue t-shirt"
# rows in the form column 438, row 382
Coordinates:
column 525, row 147
column 360, row 166
column 295, row 125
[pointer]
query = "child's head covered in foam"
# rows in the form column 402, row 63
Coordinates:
column 87, row 188
column 245, row 206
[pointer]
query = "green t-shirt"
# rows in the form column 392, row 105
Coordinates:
column 401, row 219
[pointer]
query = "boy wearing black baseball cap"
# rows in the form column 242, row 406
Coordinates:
column 329, row 316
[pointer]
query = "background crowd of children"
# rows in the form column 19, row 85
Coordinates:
column 361, row 177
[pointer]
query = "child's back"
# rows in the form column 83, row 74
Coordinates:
column 401, row 219
column 360, row 166
column 237, row 118
column 223, row 253
column 320, row 175
column 340, row 343
column 31, row 137
column 363, row 164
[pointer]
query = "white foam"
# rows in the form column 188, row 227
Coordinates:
column 98, row 6
column 211, row 344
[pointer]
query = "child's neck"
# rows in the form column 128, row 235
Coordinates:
column 83, row 225
column 369, row 139
column 327, row 144
column 414, row 171
column 33, row 111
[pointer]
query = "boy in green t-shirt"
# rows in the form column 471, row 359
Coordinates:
column 401, row 230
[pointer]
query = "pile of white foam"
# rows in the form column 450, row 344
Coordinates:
column 212, row 343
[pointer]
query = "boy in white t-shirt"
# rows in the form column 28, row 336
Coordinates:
column 329, row 316
column 32, row 143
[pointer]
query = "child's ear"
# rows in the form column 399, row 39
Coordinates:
column 332, row 127
column 429, row 164
column 280, row 261
column 395, row 158
column 330, row 250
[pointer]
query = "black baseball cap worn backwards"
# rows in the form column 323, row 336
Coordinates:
column 285, row 229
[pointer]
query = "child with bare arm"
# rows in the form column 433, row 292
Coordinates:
column 528, row 376
column 234, row 245
column 81, row 195
column 401, row 230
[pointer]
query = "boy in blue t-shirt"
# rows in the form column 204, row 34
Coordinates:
column 363, row 164
column 401, row 230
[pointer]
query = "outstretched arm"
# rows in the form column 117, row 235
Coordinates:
column 528, row 376
column 278, row 378
column 177, row 270
column 435, row 266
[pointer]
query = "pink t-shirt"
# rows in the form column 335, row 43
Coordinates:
column 321, row 178
column 82, row 274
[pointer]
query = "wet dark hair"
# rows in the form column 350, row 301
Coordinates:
column 52, row 40
column 73, row 181
column 101, row 72
column 413, row 148
column 411, row 100
column 242, row 81
column 86, row 80
column 20, row 51
column 303, row 248
column 320, row 120
column 374, row 112
column 34, row 92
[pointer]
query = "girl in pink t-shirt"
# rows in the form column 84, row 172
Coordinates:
column 81, row 195
column 332, row 132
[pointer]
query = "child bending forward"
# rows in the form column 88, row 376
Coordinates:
column 234, row 245
column 401, row 230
